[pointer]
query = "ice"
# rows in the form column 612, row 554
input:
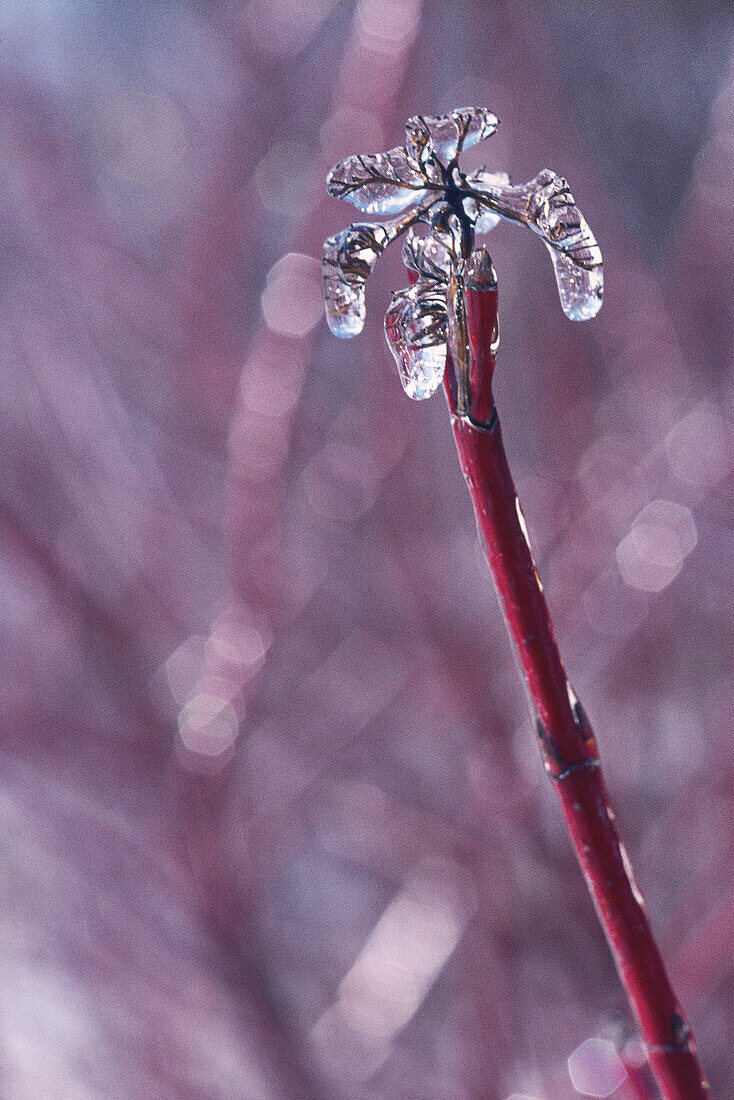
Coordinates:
column 346, row 309
column 422, row 181
column 348, row 260
column 426, row 255
column 545, row 204
column 447, row 135
column 446, row 227
column 415, row 328
column 377, row 183
column 579, row 288
column 484, row 219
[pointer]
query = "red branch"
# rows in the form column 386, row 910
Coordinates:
column 566, row 739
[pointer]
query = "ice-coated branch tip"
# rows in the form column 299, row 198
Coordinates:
column 479, row 272
column 423, row 183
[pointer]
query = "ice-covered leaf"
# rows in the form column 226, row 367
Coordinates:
column 415, row 328
column 348, row 259
column 377, row 183
column 447, row 135
column 545, row 204
column 427, row 255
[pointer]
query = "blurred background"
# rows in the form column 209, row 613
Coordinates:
column 273, row 821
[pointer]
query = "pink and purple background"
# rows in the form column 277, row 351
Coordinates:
column 273, row 823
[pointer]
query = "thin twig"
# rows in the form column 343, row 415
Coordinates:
column 565, row 736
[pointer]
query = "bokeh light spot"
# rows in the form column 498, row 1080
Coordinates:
column 596, row 1069
column 285, row 26
column 388, row 26
column 662, row 537
column 699, row 452
column 208, row 725
column 292, row 302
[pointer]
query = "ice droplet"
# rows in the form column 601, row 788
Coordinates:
column 579, row 288
column 345, row 308
column 415, row 328
column 377, row 183
column 486, row 221
column 421, row 370
column 347, row 261
column 446, row 227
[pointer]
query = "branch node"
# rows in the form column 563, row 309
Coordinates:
column 591, row 762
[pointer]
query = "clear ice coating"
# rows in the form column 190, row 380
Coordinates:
column 546, row 206
column 445, row 226
column 347, row 261
column 484, row 219
column 426, row 255
column 447, row 135
column 377, row 183
column 422, row 182
column 415, row 327
column 579, row 288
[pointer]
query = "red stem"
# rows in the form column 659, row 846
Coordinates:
column 566, row 739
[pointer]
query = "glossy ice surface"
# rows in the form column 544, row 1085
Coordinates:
column 377, row 183
column 348, row 258
column 415, row 327
column 443, row 133
column 546, row 206
column 426, row 255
